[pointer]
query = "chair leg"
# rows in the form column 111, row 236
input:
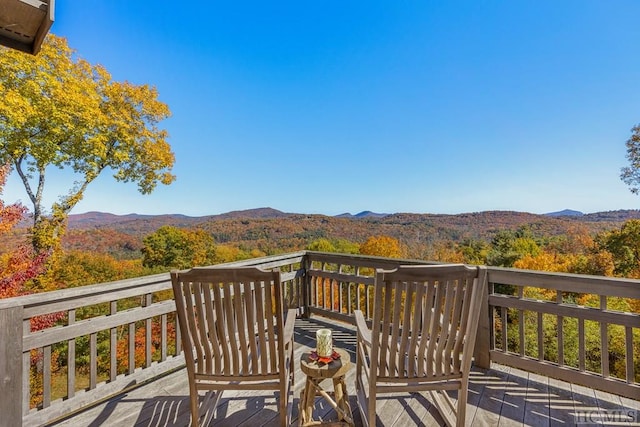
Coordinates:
column 283, row 412
column 461, row 411
column 366, row 401
column 371, row 409
column 358, row 367
column 195, row 412
column 292, row 367
column 371, row 402
column 283, row 401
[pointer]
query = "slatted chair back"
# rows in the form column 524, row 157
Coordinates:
column 423, row 317
column 234, row 334
column 230, row 318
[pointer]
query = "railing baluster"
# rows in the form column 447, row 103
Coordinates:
column 71, row 358
column 93, row 360
column 560, row 329
column 323, row 287
column 521, row 322
column 340, row 297
column 132, row 348
column 367, row 290
column 628, row 336
column 339, row 290
column 305, row 287
column 163, row 337
column 492, row 320
column 113, row 344
column 358, row 291
column 540, row 337
column 332, row 295
column 178, row 336
column 147, row 333
column 46, row 376
column 504, row 330
column 581, row 346
column 318, row 292
column 604, row 340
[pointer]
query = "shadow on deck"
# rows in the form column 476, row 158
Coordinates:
column 499, row 396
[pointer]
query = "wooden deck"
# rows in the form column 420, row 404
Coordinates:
column 501, row 396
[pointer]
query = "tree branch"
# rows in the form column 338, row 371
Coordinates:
column 35, row 199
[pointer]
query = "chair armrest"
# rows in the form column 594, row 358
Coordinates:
column 289, row 323
column 361, row 325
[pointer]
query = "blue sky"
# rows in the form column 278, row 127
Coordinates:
column 332, row 106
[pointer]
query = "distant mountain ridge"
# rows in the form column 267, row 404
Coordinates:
column 565, row 212
column 274, row 231
column 252, row 213
column 616, row 216
column 475, row 225
column 363, row 214
column 102, row 219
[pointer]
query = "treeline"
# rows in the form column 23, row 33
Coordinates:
column 608, row 253
column 269, row 230
column 99, row 256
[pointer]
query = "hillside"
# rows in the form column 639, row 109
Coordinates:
column 273, row 230
column 141, row 225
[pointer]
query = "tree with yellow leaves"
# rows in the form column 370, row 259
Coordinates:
column 174, row 247
column 382, row 246
column 59, row 111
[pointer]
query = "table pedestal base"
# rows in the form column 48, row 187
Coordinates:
column 312, row 389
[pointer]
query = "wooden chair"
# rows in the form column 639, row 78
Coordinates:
column 422, row 337
column 234, row 334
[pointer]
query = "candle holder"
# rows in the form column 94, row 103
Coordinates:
column 324, row 343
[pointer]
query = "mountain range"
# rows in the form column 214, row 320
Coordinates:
column 102, row 219
column 272, row 231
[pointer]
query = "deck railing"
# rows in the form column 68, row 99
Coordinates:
column 118, row 335
column 560, row 319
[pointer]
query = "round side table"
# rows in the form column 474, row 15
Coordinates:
column 316, row 373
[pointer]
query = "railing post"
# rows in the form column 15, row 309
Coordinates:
column 481, row 355
column 11, row 366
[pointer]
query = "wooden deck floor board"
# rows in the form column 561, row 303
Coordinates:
column 500, row 396
column 513, row 403
column 536, row 409
column 560, row 403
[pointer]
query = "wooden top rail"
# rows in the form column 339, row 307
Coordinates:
column 631, row 320
column 83, row 296
column 566, row 282
column 268, row 262
column 362, row 260
column 51, row 336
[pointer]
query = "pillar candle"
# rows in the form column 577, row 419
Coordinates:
column 324, row 345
